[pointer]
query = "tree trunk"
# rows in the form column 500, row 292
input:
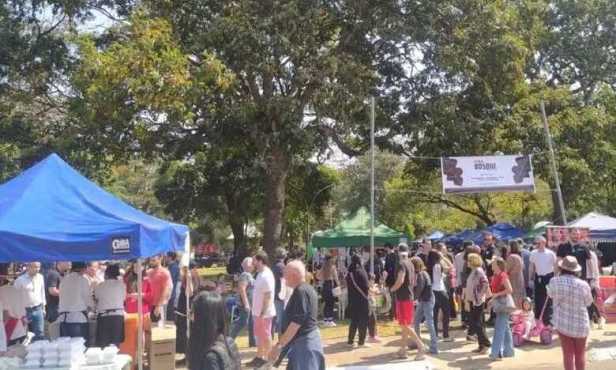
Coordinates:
column 235, row 209
column 277, row 169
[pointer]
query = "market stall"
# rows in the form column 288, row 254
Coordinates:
column 51, row 213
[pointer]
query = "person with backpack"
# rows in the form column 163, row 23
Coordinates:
column 209, row 346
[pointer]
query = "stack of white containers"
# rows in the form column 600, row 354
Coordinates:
column 62, row 354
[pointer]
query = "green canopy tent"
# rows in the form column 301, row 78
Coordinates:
column 355, row 232
column 540, row 228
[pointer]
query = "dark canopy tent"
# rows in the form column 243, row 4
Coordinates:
column 50, row 212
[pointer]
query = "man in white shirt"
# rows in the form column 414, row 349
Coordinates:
column 263, row 309
column 33, row 284
column 541, row 271
column 75, row 300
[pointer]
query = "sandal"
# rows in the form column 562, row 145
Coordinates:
column 420, row 356
column 402, row 355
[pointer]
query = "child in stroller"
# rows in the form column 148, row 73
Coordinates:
column 525, row 326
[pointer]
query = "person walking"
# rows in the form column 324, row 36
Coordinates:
column 301, row 339
column 358, row 290
column 328, row 274
column 209, row 346
column 502, row 341
column 436, row 271
column 33, row 284
column 477, row 290
column 425, row 302
column 109, row 297
column 515, row 271
column 245, row 287
column 541, row 271
column 571, row 296
column 263, row 310
column 391, row 264
column 403, row 290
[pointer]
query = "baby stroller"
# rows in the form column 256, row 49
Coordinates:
column 544, row 332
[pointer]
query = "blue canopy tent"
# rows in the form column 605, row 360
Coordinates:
column 456, row 240
column 436, row 235
column 50, row 212
column 501, row 231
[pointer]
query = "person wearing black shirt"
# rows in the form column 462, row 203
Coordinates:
column 403, row 291
column 577, row 249
column 278, row 271
column 52, row 289
column 357, row 287
column 301, row 340
column 391, row 263
column 488, row 251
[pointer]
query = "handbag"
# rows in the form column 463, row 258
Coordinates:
column 503, row 304
column 337, row 291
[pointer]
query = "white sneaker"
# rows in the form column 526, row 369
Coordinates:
column 601, row 324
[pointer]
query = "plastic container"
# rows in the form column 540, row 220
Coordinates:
column 94, row 356
column 109, row 354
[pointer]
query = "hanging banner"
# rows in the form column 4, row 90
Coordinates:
column 487, row 174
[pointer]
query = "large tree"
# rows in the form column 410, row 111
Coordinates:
column 299, row 75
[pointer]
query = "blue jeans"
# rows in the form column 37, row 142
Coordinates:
column 244, row 319
column 36, row 322
column 277, row 322
column 425, row 312
column 502, row 343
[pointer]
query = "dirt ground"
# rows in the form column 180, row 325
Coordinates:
column 457, row 354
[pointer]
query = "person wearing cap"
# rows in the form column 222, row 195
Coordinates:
column 571, row 296
column 541, row 271
column 75, row 301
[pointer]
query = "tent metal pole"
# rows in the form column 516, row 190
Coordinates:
column 140, row 315
column 548, row 138
column 372, row 114
column 189, row 289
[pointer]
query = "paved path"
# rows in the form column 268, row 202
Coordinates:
column 457, row 355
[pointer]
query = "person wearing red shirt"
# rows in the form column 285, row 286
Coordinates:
column 162, row 285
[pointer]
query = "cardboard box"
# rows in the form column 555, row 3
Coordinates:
column 162, row 348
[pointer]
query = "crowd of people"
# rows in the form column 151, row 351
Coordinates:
column 277, row 303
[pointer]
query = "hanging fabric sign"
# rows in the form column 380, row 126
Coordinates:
column 487, row 174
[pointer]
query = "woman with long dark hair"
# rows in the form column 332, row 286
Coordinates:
column 357, row 285
column 209, row 347
column 436, row 270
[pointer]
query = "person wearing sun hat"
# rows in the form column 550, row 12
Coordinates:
column 571, row 296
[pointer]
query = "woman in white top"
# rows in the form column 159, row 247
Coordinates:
column 437, row 267
column 2, row 332
column 14, row 316
column 109, row 296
